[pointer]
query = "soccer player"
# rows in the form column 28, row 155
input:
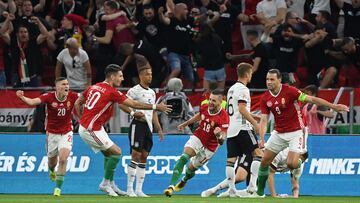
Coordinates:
column 99, row 100
column 200, row 147
column 58, row 125
column 283, row 102
column 241, row 138
column 279, row 165
column 140, row 134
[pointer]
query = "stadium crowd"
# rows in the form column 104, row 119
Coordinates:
column 309, row 41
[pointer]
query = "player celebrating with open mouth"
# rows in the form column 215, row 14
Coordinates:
column 200, row 147
column 58, row 125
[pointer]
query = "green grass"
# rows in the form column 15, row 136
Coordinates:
column 161, row 199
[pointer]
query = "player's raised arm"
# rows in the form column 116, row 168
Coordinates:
column 78, row 103
column 26, row 100
column 192, row 120
column 139, row 105
column 322, row 102
column 262, row 129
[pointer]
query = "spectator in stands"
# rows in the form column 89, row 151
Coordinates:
column 319, row 5
column 71, row 27
column 26, row 58
column 249, row 21
column 209, row 45
column 132, row 8
column 323, row 19
column 315, row 115
column 351, row 48
column 118, row 30
column 296, row 6
column 76, row 63
column 181, row 108
column 221, row 20
column 317, row 59
column 271, row 13
column 156, row 61
column 27, row 12
column 285, row 49
column 352, row 17
column 151, row 29
column 4, row 42
column 260, row 57
column 68, row 7
column 180, row 36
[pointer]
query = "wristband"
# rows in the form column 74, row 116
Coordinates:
column 154, row 106
column 132, row 113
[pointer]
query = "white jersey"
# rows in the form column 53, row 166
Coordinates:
column 279, row 163
column 143, row 95
column 238, row 93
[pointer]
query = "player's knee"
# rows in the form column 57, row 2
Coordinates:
column 258, row 153
column 62, row 160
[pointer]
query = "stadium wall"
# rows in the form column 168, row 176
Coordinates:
column 333, row 167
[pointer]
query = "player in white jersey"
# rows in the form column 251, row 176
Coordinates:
column 241, row 137
column 279, row 165
column 141, row 128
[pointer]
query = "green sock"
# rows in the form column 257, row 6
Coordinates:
column 262, row 178
column 106, row 159
column 59, row 180
column 189, row 174
column 111, row 166
column 179, row 167
column 52, row 170
column 299, row 163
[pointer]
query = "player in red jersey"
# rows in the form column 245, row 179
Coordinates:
column 200, row 147
column 98, row 108
column 283, row 102
column 58, row 125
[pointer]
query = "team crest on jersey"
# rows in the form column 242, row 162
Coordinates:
column 68, row 104
column 54, row 104
column 212, row 123
column 269, row 104
column 202, row 117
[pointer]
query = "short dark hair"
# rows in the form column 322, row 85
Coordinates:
column 217, row 92
column 252, row 33
column 20, row 26
column 59, row 79
column 243, row 68
column 275, row 71
column 325, row 14
column 111, row 69
column 112, row 4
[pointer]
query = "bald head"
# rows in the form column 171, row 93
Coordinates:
column 72, row 43
column 180, row 11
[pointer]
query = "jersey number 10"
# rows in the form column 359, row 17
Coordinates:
column 92, row 99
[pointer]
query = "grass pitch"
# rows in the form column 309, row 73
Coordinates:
column 161, row 199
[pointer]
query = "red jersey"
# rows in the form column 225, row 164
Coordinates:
column 124, row 35
column 58, row 113
column 285, row 108
column 99, row 105
column 208, row 122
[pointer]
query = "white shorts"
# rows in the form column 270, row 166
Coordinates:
column 296, row 141
column 97, row 140
column 202, row 154
column 55, row 142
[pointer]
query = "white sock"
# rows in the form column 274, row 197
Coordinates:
column 131, row 175
column 254, row 170
column 230, row 175
column 223, row 184
column 140, row 176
